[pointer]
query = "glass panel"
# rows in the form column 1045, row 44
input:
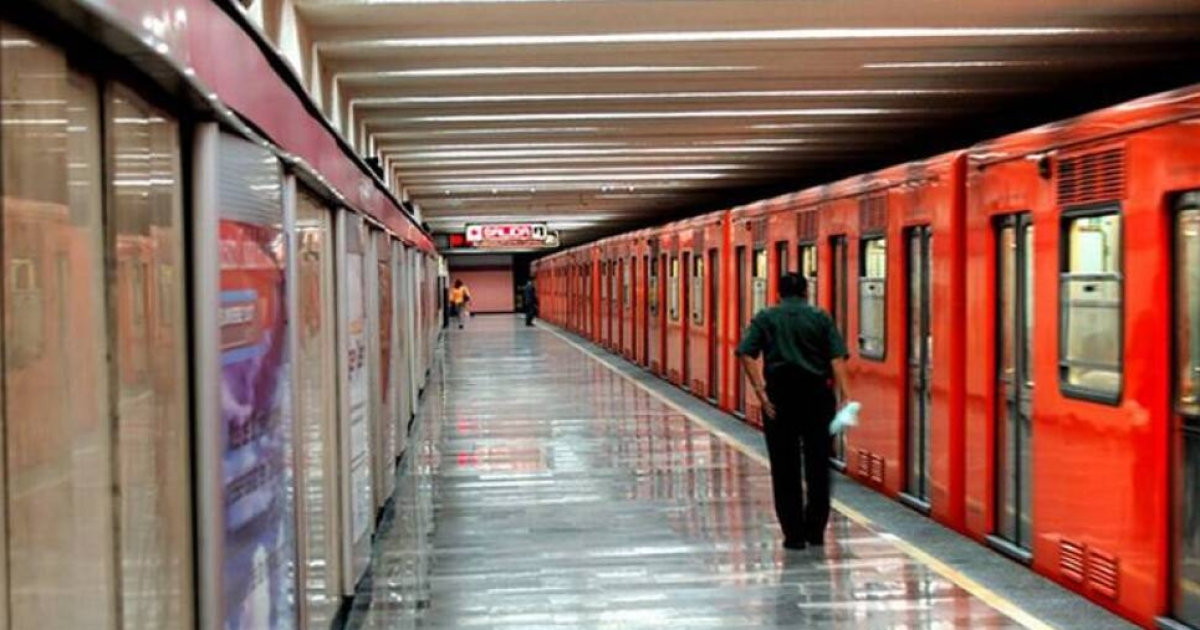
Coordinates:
column 872, row 306
column 759, row 283
column 697, row 286
column 1187, row 311
column 315, row 370
column 1008, row 302
column 808, row 269
column 147, row 210
column 673, row 289
column 781, row 257
column 59, row 510
column 1091, row 293
column 255, row 375
column 1027, row 302
column 652, row 298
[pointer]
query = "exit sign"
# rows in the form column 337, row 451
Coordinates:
column 507, row 234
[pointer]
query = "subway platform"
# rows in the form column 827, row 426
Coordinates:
column 552, row 485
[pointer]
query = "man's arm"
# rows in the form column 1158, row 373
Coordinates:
column 839, row 380
column 751, row 367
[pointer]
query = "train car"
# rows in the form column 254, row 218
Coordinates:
column 607, row 259
column 903, row 229
column 694, row 249
column 656, row 314
column 761, row 235
column 1084, row 428
column 641, row 263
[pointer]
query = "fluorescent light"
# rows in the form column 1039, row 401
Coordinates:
column 534, row 71
column 596, row 177
column 421, row 155
column 677, row 37
column 654, row 96
column 935, row 65
column 688, row 146
column 423, row 164
column 735, row 113
column 489, row 131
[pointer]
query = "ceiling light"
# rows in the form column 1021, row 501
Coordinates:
column 934, row 65
column 654, row 96
column 719, row 113
column 535, row 71
column 680, row 37
column 585, row 152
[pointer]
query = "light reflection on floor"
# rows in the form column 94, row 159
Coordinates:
column 544, row 491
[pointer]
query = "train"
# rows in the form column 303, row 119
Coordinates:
column 1023, row 317
column 217, row 324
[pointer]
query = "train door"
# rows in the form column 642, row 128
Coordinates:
column 623, row 307
column 714, row 325
column 919, row 342
column 649, row 286
column 1186, row 577
column 1014, row 382
column 739, row 316
column 685, row 294
column 838, row 309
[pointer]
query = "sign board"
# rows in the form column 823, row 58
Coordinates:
column 510, row 235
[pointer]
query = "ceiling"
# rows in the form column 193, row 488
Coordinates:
column 601, row 115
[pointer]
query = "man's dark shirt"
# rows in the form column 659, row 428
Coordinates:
column 794, row 334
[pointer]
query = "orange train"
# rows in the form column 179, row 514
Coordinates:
column 1024, row 325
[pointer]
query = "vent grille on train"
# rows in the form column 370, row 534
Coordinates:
column 872, row 214
column 806, row 225
column 1093, row 177
column 1071, row 560
column 759, row 232
column 1102, row 573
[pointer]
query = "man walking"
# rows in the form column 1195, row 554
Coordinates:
column 529, row 301
column 804, row 361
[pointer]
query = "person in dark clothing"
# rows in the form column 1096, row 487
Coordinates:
column 804, row 359
column 529, row 301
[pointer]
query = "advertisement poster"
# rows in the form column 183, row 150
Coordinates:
column 259, row 550
column 362, row 503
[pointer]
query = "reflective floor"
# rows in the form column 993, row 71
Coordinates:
column 543, row 490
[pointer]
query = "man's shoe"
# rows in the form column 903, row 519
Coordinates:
column 817, row 542
column 794, row 545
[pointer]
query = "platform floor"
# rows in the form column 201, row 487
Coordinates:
column 545, row 488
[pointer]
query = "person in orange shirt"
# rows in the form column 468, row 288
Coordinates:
column 460, row 299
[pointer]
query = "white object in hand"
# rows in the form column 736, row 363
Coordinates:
column 846, row 417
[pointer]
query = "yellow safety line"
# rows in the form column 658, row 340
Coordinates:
column 988, row 596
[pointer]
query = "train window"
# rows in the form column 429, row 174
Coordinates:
column 604, row 281
column 626, row 287
column 872, row 298
column 808, row 269
column 1187, row 305
column 758, row 285
column 652, row 297
column 1091, row 306
column 781, row 257
column 673, row 289
column 697, row 290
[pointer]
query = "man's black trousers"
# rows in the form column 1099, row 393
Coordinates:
column 799, row 444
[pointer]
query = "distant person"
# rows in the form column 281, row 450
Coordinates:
column 460, row 301
column 804, row 360
column 529, row 299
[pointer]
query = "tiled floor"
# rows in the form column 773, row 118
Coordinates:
column 542, row 490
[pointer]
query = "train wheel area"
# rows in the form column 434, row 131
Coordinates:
column 554, row 485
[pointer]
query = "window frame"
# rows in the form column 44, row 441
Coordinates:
column 1066, row 218
column 697, row 288
column 673, row 288
column 1189, row 413
column 814, row 286
column 882, row 354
